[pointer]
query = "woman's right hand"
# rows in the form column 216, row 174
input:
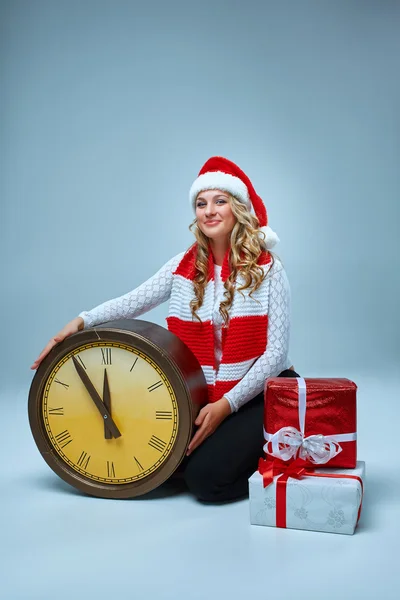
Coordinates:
column 73, row 326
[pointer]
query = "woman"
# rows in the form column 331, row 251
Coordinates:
column 229, row 302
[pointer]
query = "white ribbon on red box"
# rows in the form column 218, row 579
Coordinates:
column 289, row 441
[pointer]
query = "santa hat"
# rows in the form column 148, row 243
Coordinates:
column 219, row 173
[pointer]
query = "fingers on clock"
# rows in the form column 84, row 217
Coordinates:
column 45, row 351
column 201, row 416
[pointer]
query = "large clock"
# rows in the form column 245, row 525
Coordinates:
column 111, row 408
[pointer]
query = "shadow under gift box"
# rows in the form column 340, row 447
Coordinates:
column 328, row 501
column 298, row 408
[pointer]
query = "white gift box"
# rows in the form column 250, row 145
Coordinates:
column 329, row 504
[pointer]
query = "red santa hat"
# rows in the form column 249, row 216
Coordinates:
column 219, row 173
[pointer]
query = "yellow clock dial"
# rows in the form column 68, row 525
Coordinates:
column 142, row 404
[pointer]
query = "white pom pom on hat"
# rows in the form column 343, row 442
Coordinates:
column 271, row 238
column 219, row 173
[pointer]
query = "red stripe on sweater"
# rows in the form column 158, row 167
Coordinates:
column 211, row 393
column 264, row 258
column 199, row 337
column 245, row 338
column 215, row 392
column 187, row 266
column 224, row 332
column 222, row 387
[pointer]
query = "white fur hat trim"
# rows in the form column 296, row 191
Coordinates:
column 217, row 180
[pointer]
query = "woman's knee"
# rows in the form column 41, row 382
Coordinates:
column 289, row 373
column 206, row 479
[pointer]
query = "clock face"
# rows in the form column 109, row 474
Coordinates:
column 141, row 403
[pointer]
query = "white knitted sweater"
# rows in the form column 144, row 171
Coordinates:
column 157, row 289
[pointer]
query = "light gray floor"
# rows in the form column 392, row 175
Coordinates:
column 57, row 543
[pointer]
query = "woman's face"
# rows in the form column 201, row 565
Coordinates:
column 214, row 214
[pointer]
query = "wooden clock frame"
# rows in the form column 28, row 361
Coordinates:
column 182, row 370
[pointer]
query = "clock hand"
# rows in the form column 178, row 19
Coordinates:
column 108, row 421
column 107, row 403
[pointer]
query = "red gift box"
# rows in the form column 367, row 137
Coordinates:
column 314, row 419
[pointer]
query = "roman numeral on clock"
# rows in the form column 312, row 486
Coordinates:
column 138, row 463
column 61, row 383
column 57, row 411
column 83, row 460
column 154, row 386
column 157, row 444
column 110, row 469
column 64, row 438
column 165, row 415
column 106, row 355
column 135, row 361
column 77, row 356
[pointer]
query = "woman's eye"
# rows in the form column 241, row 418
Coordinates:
column 200, row 204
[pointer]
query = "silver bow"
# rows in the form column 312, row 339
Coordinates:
column 288, row 443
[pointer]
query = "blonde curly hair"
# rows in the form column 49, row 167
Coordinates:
column 246, row 248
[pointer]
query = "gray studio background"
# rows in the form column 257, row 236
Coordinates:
column 108, row 109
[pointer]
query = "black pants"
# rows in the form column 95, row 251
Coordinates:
column 218, row 470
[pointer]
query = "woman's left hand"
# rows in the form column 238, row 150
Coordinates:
column 208, row 420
